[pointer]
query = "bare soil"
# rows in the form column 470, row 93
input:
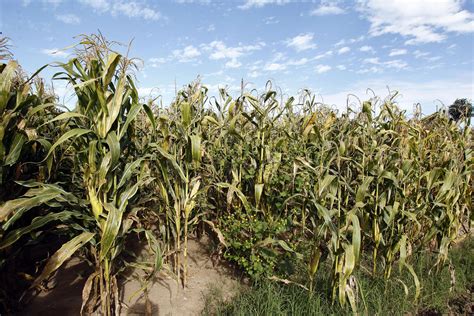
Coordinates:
column 169, row 298
column 165, row 296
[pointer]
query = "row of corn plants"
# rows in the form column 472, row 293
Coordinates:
column 100, row 171
column 283, row 185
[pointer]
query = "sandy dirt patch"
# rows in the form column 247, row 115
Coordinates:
column 165, row 297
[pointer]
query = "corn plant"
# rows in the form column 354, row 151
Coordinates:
column 178, row 150
column 283, row 183
column 97, row 139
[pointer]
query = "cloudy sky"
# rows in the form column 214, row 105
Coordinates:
column 422, row 48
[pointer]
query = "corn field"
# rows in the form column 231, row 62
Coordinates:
column 281, row 185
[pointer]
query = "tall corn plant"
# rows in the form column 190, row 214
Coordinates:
column 25, row 106
column 383, row 187
column 177, row 148
column 101, row 131
column 250, row 182
column 98, row 139
column 22, row 114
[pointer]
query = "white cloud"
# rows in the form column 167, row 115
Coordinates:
column 98, row 5
column 256, row 65
column 275, row 67
column 270, row 20
column 422, row 21
column 322, row 68
column 68, row 18
column 343, row 50
column 156, row 61
column 130, row 9
column 419, row 54
column 260, row 3
column 54, row 3
column 214, row 74
column 396, row 63
column 219, row 50
column 279, row 56
column 54, row 52
column 211, row 28
column 189, row 53
column 298, row 62
column 366, row 48
column 326, row 54
column 372, row 69
column 204, row 2
column 233, row 63
column 350, row 41
column 327, row 9
column 341, row 67
column 301, row 42
column 135, row 10
column 397, row 52
column 280, row 62
column 374, row 60
column 254, row 74
column 434, row 58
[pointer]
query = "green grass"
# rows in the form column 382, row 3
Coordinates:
column 380, row 297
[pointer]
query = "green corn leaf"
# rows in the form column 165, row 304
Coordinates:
column 24, row 204
column 195, row 141
column 6, row 80
column 195, row 189
column 32, row 111
column 128, row 194
column 186, row 113
column 415, row 280
column 132, row 114
column 211, row 119
column 363, row 189
column 349, row 261
column 114, row 147
column 105, row 166
column 64, row 116
column 314, row 262
column 150, row 115
column 60, row 256
column 83, row 84
column 356, row 235
column 110, row 230
column 15, row 150
column 36, row 223
column 36, row 73
column 130, row 168
column 403, row 251
column 258, row 193
column 77, row 132
column 173, row 161
column 325, row 183
column 112, row 63
column 114, row 106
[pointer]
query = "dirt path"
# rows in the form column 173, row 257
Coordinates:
column 165, row 296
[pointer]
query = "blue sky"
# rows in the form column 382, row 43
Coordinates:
column 422, row 48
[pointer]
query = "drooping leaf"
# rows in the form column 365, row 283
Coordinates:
column 63, row 254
